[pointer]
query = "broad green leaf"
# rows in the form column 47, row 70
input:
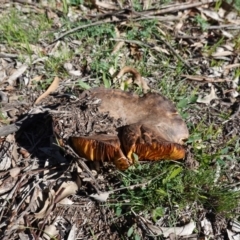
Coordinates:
column 137, row 237
column 182, row 103
column 130, row 231
column 83, row 85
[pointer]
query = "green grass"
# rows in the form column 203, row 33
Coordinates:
column 20, row 30
column 175, row 186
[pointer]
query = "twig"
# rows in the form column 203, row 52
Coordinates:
column 225, row 26
column 159, row 18
column 8, row 55
column 174, row 52
column 188, row 37
column 200, row 78
column 174, row 8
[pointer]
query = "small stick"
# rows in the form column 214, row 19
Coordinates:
column 174, row 52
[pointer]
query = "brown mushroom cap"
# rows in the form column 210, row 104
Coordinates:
column 152, row 109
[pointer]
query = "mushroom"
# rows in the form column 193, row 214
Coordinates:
column 152, row 129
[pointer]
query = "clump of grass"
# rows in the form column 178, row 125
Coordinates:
column 175, row 186
column 20, row 28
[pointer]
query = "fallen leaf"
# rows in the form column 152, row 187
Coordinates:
column 17, row 73
column 75, row 73
column 68, row 66
column 232, row 235
column 7, row 184
column 227, row 34
column 207, row 99
column 66, row 189
column 47, row 204
column 178, row 231
column 160, row 49
column 14, row 171
column 106, row 5
column 222, row 54
column 207, row 228
column 50, row 231
column 35, row 79
column 102, row 197
column 51, row 89
column 5, row 162
column 66, row 201
column 73, row 233
column 212, row 14
column 24, row 153
column 235, row 225
column 117, row 47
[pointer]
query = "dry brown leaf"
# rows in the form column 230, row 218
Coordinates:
column 17, row 73
column 207, row 228
column 73, row 233
column 66, row 201
column 227, row 34
column 36, row 79
column 36, row 198
column 234, row 225
column 14, row 154
column 120, row 44
column 207, row 99
column 180, row 24
column 7, row 184
column 222, row 54
column 160, row 49
column 5, row 162
column 66, row 189
column 102, row 197
column 212, row 14
column 50, row 231
column 51, row 89
column 178, row 231
column 106, row 5
column 24, row 153
column 14, row 171
column 135, row 52
column 232, row 235
column 47, row 204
